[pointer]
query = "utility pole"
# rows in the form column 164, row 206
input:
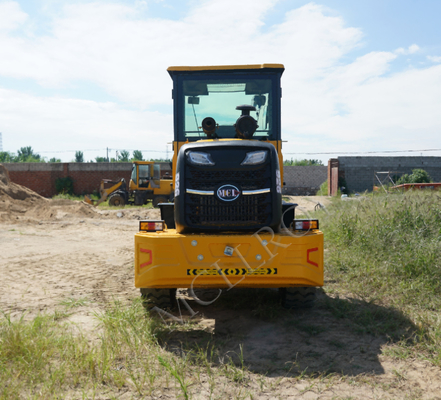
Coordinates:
column 166, row 152
column 107, row 154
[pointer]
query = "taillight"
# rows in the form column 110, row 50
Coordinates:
column 305, row 224
column 151, row 226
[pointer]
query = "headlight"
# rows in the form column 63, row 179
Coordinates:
column 256, row 157
column 200, row 158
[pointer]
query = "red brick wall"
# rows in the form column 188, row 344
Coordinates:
column 41, row 177
column 42, row 182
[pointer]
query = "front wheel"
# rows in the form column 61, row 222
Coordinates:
column 298, row 297
column 117, row 200
column 161, row 298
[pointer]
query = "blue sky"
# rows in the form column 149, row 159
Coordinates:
column 361, row 76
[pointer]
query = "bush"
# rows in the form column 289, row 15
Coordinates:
column 64, row 185
column 417, row 176
column 323, row 191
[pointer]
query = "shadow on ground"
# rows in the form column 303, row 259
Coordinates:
column 336, row 336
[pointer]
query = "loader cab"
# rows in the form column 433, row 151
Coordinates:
column 146, row 175
column 227, row 103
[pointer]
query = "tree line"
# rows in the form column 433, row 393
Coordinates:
column 303, row 162
column 27, row 154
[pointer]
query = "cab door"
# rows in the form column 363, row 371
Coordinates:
column 155, row 176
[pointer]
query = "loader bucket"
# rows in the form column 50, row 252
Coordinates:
column 88, row 200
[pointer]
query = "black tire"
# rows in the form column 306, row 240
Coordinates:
column 159, row 199
column 161, row 298
column 298, row 297
column 117, row 200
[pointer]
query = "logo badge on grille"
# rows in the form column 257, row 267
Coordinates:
column 228, row 193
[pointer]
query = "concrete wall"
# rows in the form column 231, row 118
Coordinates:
column 303, row 180
column 41, row 177
column 359, row 172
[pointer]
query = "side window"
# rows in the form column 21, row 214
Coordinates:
column 156, row 176
column 143, row 176
column 133, row 177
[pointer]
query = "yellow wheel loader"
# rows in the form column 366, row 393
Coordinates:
column 145, row 185
column 228, row 226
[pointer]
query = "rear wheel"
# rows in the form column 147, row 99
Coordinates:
column 159, row 199
column 161, row 298
column 117, row 200
column 298, row 297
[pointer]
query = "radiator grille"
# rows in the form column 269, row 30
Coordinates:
column 248, row 211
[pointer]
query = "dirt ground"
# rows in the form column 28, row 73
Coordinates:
column 54, row 251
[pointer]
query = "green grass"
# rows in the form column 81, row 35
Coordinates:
column 44, row 359
column 386, row 250
column 104, row 205
column 38, row 358
column 65, row 196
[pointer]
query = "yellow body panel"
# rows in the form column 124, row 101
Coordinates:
column 166, row 187
column 170, row 260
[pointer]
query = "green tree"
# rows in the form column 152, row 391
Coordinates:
column 124, row 156
column 79, row 156
column 417, row 176
column 54, row 160
column 137, row 156
column 100, row 159
column 26, row 154
column 303, row 162
column 160, row 159
column 7, row 157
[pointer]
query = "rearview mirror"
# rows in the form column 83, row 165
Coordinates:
column 193, row 100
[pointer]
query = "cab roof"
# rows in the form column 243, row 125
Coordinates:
column 224, row 68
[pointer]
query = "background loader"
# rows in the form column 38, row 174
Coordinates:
column 145, row 185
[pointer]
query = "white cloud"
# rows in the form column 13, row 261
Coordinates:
column 108, row 45
column 11, row 16
column 435, row 59
column 68, row 124
column 412, row 49
column 328, row 102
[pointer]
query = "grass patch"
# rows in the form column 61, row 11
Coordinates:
column 385, row 250
column 44, row 358
column 72, row 302
column 104, row 205
column 73, row 197
column 39, row 358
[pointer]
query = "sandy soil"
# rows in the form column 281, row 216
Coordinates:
column 55, row 251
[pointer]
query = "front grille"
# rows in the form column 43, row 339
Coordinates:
column 248, row 211
column 245, row 212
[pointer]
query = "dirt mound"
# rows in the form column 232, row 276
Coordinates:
column 20, row 203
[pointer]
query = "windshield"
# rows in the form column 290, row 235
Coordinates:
column 218, row 99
